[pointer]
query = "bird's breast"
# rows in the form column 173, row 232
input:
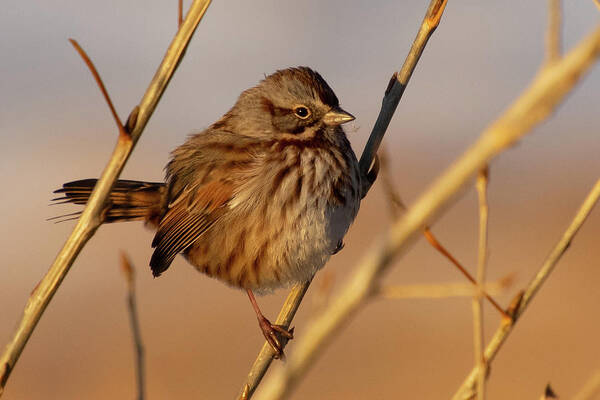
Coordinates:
column 285, row 221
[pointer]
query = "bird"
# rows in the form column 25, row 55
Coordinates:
column 259, row 200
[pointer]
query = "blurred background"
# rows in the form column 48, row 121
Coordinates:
column 200, row 336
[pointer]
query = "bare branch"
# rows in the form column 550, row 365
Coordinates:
column 179, row 13
column 548, row 89
column 481, row 185
column 397, row 206
column 442, row 290
column 91, row 217
column 136, row 332
column 590, row 389
column 467, row 389
column 553, row 33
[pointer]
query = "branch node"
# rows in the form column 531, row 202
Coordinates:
column 514, row 306
column 132, row 120
column 391, row 83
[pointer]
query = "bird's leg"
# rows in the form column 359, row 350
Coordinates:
column 270, row 330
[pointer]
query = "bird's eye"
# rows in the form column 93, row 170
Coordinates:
column 302, row 112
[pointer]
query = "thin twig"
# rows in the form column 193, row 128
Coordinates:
column 438, row 246
column 553, row 33
column 467, row 389
column 391, row 99
column 91, row 218
column 100, row 84
column 590, row 389
column 265, row 357
column 136, row 332
column 539, row 100
column 481, row 185
column 179, row 13
column 442, row 290
column 397, row 207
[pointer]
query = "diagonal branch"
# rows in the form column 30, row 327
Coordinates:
column 548, row 89
column 391, row 99
column 92, row 215
column 590, row 388
column 467, row 389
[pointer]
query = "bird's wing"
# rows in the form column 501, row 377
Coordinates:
column 192, row 213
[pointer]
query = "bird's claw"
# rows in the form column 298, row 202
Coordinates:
column 271, row 331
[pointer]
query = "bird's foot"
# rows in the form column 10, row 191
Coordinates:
column 273, row 333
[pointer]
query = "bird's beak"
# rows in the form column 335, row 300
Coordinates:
column 337, row 116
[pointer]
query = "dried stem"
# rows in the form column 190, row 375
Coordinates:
column 548, row 89
column 442, row 290
column 481, row 185
column 92, row 215
column 391, row 99
column 438, row 246
column 590, row 389
column 397, row 206
column 468, row 388
column 553, row 33
column 179, row 13
column 101, row 86
column 136, row 332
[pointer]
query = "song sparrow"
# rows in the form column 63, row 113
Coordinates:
column 261, row 199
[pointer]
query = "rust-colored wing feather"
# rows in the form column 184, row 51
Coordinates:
column 194, row 211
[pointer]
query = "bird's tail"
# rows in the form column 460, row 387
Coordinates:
column 128, row 200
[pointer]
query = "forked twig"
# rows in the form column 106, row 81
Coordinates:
column 391, row 99
column 438, row 246
column 468, row 388
column 539, row 100
column 397, row 206
column 92, row 215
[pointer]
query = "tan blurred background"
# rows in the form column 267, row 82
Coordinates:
column 200, row 336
